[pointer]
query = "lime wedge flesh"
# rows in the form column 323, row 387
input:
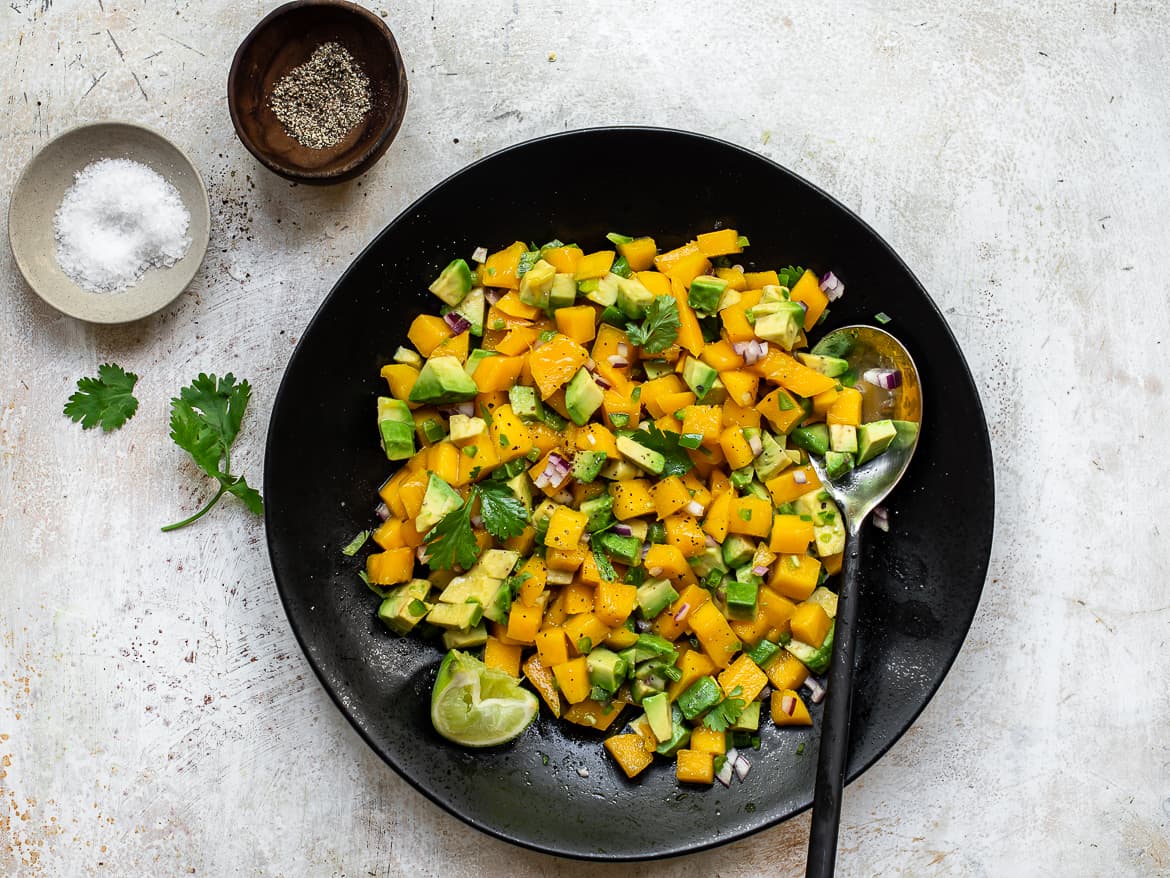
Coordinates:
column 477, row 706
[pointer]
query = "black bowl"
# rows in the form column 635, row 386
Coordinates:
column 555, row 789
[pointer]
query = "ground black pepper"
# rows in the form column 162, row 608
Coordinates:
column 320, row 101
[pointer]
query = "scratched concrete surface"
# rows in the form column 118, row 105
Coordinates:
column 156, row 716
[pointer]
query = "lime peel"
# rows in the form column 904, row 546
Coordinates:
column 477, row 706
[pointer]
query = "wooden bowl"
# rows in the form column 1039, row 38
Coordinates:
column 285, row 39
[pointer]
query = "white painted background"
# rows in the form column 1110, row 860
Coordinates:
column 156, row 717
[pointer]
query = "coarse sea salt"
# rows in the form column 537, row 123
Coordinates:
column 119, row 219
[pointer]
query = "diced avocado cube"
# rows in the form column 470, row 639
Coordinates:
column 741, row 598
column 652, row 646
column 771, row 460
column 613, row 316
column 843, row 437
column 837, row 463
column 749, row 720
column 646, row 458
column 763, row 652
column 525, row 403
column 462, row 616
column 873, row 439
column 453, row 282
column 590, row 285
column 454, row 638
column 583, row 397
column 600, row 512
column 814, row 438
column 699, row 697
column 395, row 428
column 521, row 487
column 465, row 427
column 657, row 368
column 755, row 489
column 439, row 499
column 699, row 376
column 837, row 345
column 606, row 668
column 657, row 709
column 563, row 291
column 641, row 689
column 907, row 434
column 431, row 430
column 624, row 549
column 830, row 366
column 476, row 357
column 472, row 309
column 633, row 298
column 409, row 357
column 536, row 284
column 711, row 559
column 654, row 596
column 783, row 326
column 587, row 465
column 814, row 658
column 604, row 292
column 738, row 551
column 705, row 292
column 405, row 606
column 498, row 563
column 828, row 523
column 442, row 381
column 680, row 734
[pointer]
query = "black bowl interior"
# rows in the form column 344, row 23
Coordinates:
column 922, row 581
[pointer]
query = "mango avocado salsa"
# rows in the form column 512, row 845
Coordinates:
column 605, row 489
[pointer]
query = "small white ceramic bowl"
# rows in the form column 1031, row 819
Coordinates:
column 38, row 194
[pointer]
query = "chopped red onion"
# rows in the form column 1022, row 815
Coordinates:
column 752, row 351
column 731, row 755
column 586, row 538
column 645, row 550
column 618, row 361
column 832, row 287
column 804, row 306
column 460, row 408
column 643, row 625
column 558, row 465
column 682, row 612
column 712, row 543
column 602, row 383
column 742, row 767
column 816, row 690
column 476, row 521
column 788, row 704
column 421, row 554
column 760, row 570
column 654, row 571
column 457, row 322
column 493, row 295
column 382, row 511
column 623, row 530
column 590, row 364
column 886, row 379
column 882, row 524
column 757, row 445
column 542, row 480
column 694, row 508
column 725, row 773
column 799, row 477
column 623, row 349
column 479, row 254
column 564, row 498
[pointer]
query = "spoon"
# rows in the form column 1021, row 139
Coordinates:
column 880, row 362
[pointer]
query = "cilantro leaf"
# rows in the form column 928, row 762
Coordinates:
column 726, row 712
column 106, row 400
column 452, row 541
column 678, row 462
column 503, row 515
column 205, row 420
column 660, row 327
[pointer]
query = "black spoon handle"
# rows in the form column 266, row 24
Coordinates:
column 834, row 749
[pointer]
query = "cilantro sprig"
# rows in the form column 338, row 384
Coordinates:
column 452, row 542
column 678, row 462
column 725, row 714
column 106, row 401
column 660, row 327
column 205, row 420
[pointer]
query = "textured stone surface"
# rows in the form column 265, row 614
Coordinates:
column 156, row 716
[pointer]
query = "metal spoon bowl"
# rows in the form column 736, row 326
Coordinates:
column 857, row 492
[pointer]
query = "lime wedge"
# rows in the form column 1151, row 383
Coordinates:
column 478, row 706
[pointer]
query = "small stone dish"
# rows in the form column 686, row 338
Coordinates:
column 285, row 39
column 42, row 186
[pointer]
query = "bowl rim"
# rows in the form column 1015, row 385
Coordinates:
column 367, row 157
column 319, row 671
column 197, row 249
